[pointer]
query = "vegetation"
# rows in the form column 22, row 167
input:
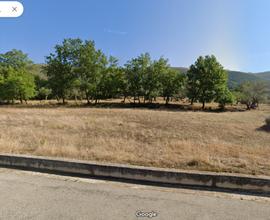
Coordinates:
column 264, row 75
column 77, row 70
column 236, row 78
column 207, row 82
column 15, row 81
column 252, row 94
column 222, row 142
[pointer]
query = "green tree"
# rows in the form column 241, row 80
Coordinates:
column 18, row 85
column 60, row 67
column 172, row 83
column 135, row 71
column 225, row 97
column 16, row 82
column 252, row 93
column 151, row 81
column 44, row 92
column 260, row 91
column 205, row 80
column 15, row 59
column 112, row 82
column 120, row 82
column 91, row 68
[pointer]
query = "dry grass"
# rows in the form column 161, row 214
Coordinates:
column 227, row 142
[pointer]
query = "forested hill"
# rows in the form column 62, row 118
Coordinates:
column 237, row 77
column 264, row 75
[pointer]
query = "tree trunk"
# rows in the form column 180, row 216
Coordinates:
column 167, row 100
column 88, row 100
column 203, row 107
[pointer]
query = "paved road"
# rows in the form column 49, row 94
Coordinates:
column 29, row 195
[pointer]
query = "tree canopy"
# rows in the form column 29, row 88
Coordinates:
column 206, row 80
column 76, row 69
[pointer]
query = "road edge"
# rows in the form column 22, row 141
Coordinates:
column 209, row 180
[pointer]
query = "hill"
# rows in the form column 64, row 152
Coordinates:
column 236, row 77
column 264, row 75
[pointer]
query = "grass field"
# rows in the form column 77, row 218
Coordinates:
column 227, row 141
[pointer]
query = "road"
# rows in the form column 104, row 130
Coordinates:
column 30, row 195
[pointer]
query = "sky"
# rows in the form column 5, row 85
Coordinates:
column 237, row 32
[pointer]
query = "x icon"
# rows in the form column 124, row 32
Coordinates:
column 14, row 9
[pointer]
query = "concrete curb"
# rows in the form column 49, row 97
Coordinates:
column 136, row 173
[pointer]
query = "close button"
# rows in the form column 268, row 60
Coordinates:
column 10, row 9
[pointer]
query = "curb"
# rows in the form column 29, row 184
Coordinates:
column 207, row 180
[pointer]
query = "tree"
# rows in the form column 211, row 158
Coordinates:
column 260, row 90
column 252, row 93
column 60, row 67
column 91, row 67
column 171, row 83
column 225, row 97
column 151, row 78
column 15, row 59
column 42, row 87
column 18, row 85
column 205, row 80
column 44, row 92
column 112, row 83
column 16, row 82
column 120, row 83
column 136, row 70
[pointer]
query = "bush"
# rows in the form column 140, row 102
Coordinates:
column 225, row 97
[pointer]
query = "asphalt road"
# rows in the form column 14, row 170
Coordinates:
column 29, row 195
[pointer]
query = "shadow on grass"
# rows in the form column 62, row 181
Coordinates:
column 265, row 128
column 113, row 105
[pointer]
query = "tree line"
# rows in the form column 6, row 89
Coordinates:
column 77, row 70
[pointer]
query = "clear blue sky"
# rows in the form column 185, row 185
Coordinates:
column 236, row 31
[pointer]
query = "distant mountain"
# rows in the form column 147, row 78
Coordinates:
column 236, row 77
column 264, row 75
